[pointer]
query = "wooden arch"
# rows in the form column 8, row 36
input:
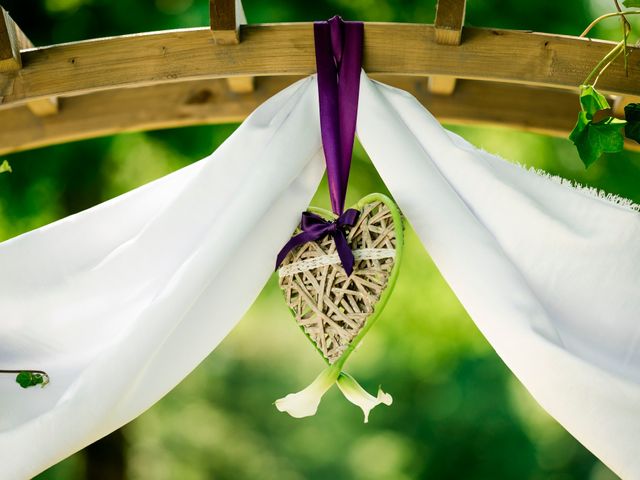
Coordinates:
column 97, row 87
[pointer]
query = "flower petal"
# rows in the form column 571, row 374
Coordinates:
column 305, row 402
column 359, row 396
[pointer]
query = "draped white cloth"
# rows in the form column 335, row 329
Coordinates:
column 120, row 302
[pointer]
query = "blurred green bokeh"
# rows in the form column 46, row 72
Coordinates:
column 458, row 412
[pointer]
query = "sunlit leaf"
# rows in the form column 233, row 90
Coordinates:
column 5, row 167
column 592, row 101
column 631, row 3
column 593, row 138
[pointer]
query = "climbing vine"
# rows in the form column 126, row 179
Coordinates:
column 597, row 131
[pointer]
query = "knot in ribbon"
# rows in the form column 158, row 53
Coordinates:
column 314, row 227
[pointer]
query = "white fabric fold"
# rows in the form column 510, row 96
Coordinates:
column 120, row 302
column 549, row 273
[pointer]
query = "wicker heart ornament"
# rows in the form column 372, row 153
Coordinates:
column 339, row 267
column 333, row 309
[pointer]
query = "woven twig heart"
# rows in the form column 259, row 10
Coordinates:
column 335, row 310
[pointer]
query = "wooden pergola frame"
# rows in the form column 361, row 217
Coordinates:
column 195, row 76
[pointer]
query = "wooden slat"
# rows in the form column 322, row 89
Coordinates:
column 619, row 102
column 133, row 109
column 448, row 29
column 226, row 17
column 287, row 49
column 44, row 106
column 241, row 84
column 211, row 101
column 449, row 21
column 12, row 40
column 442, row 84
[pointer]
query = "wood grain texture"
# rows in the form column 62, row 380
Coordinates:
column 133, row 109
column 224, row 26
column 287, row 49
column 12, row 40
column 548, row 111
column 449, row 21
column 9, row 53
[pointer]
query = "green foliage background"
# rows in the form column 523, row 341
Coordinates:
column 458, row 412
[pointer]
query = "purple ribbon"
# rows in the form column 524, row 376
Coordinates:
column 338, row 61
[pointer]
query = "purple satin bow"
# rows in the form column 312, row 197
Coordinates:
column 314, row 227
column 338, row 60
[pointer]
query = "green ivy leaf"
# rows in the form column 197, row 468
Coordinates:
column 5, row 167
column 591, row 100
column 632, row 115
column 31, row 379
column 592, row 139
column 631, row 3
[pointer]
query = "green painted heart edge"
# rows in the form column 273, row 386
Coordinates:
column 398, row 226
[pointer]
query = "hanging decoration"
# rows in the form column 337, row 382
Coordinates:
column 339, row 268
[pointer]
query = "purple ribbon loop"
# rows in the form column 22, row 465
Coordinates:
column 339, row 61
column 314, row 227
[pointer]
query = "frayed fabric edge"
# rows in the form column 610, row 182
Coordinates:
column 585, row 189
column 592, row 192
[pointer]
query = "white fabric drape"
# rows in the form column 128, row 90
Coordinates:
column 120, row 302
column 550, row 274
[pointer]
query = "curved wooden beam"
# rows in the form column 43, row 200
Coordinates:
column 200, row 102
column 287, row 49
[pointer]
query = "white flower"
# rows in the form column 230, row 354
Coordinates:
column 359, row 396
column 305, row 402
